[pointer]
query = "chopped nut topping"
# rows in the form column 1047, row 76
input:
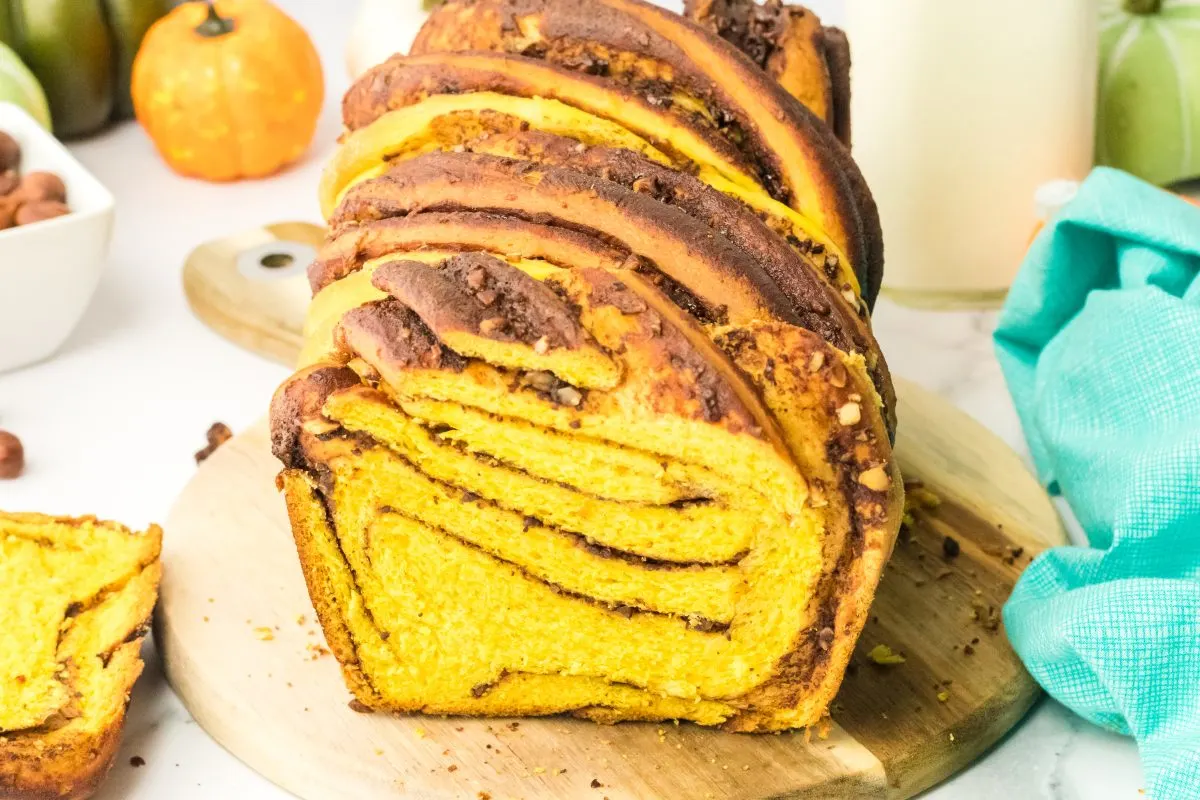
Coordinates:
column 838, row 376
column 875, row 479
column 541, row 346
column 491, row 325
column 568, row 396
column 850, row 414
column 487, row 297
column 816, row 361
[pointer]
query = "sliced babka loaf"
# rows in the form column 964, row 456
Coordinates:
column 590, row 417
column 76, row 603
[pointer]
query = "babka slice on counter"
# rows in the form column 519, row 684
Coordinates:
column 589, row 419
column 76, row 604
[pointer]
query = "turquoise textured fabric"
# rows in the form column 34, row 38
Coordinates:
column 1100, row 344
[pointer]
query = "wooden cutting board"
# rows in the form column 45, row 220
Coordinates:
column 243, row 651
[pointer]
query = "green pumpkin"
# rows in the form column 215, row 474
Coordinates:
column 1149, row 103
column 82, row 53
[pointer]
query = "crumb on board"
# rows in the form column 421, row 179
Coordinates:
column 420, row 733
column 264, row 634
column 137, row 761
column 217, row 435
column 883, row 655
column 943, row 696
column 950, row 548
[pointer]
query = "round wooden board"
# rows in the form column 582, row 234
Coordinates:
column 242, row 648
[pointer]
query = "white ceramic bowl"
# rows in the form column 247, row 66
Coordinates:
column 49, row 270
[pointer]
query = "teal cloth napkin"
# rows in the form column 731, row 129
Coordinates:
column 1100, row 344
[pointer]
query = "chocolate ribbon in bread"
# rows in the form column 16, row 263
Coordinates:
column 590, row 418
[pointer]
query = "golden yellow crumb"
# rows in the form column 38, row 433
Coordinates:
column 885, row 656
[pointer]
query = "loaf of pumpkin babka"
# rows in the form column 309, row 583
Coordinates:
column 590, row 417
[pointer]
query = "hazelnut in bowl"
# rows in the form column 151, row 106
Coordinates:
column 55, row 225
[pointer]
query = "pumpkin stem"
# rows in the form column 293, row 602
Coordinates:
column 215, row 25
column 1143, row 6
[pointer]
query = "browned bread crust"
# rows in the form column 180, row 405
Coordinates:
column 726, row 258
column 809, row 60
column 632, row 44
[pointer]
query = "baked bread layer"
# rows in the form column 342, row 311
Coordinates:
column 766, row 535
column 635, row 44
column 77, row 604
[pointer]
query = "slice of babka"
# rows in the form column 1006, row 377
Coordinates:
column 76, row 603
column 590, row 418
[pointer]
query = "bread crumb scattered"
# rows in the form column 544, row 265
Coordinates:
column 137, row 761
column 301, row 620
column 419, row 733
column 943, row 696
column 950, row 548
column 883, row 655
column 264, row 634
column 218, row 434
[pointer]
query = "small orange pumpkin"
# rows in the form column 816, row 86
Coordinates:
column 228, row 90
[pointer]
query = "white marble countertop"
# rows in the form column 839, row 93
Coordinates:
column 110, row 425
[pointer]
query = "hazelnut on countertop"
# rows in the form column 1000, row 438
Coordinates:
column 12, row 456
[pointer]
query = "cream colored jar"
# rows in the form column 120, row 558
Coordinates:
column 961, row 110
